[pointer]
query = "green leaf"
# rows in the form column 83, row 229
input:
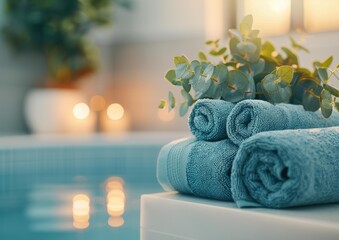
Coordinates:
column 326, row 112
column 186, row 85
column 254, row 57
column 220, row 74
column 273, row 91
column 183, row 109
column 257, row 67
column 162, row 104
column 300, row 87
column 331, row 90
column 311, row 100
column 322, row 73
column 171, row 77
column 326, row 99
column 267, row 49
column 219, row 52
column 235, row 33
column 209, row 42
column 237, row 86
column 182, row 69
column 202, row 56
column 247, row 47
column 246, row 25
column 219, row 79
column 327, row 63
column 171, row 100
column 254, row 33
column 187, row 97
column 270, row 64
column 202, row 82
column 326, row 103
column 336, row 105
column 291, row 57
column 180, row 60
column 297, row 46
column 235, row 52
column 285, row 74
column 208, row 71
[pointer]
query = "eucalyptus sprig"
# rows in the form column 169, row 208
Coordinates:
column 255, row 70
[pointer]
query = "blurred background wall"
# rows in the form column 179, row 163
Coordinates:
column 136, row 53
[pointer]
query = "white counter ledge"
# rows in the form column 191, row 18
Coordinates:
column 169, row 216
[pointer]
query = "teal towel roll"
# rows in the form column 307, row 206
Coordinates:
column 197, row 167
column 207, row 120
column 250, row 117
column 288, row 168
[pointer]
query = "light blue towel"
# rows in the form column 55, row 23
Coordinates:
column 253, row 116
column 197, row 167
column 288, row 168
column 207, row 120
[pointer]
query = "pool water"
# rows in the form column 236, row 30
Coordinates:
column 75, row 188
column 97, row 207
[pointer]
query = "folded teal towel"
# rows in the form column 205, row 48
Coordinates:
column 288, row 168
column 197, row 167
column 253, row 116
column 207, row 120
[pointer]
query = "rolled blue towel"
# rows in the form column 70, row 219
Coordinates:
column 287, row 168
column 250, row 117
column 207, row 120
column 197, row 167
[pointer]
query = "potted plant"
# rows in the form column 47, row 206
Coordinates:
column 57, row 30
column 250, row 68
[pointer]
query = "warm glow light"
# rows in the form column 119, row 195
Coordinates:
column 97, row 103
column 81, row 211
column 115, row 111
column 115, row 221
column 116, row 199
column 271, row 17
column 116, row 193
column 81, row 111
column 80, row 225
column 166, row 116
column 320, row 16
column 114, row 183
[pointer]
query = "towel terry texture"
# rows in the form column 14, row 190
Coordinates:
column 250, row 117
column 197, row 167
column 207, row 120
column 287, row 168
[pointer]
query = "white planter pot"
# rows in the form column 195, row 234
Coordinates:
column 51, row 111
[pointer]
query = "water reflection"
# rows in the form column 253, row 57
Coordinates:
column 116, row 200
column 81, row 211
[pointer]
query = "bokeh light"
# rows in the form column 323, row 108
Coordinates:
column 81, row 111
column 81, row 211
column 115, row 111
column 116, row 200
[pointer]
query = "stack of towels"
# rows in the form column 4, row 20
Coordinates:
column 256, row 154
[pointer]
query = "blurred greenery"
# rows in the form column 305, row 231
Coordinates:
column 253, row 70
column 58, row 29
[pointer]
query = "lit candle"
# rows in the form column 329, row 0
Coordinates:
column 81, row 120
column 115, row 119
